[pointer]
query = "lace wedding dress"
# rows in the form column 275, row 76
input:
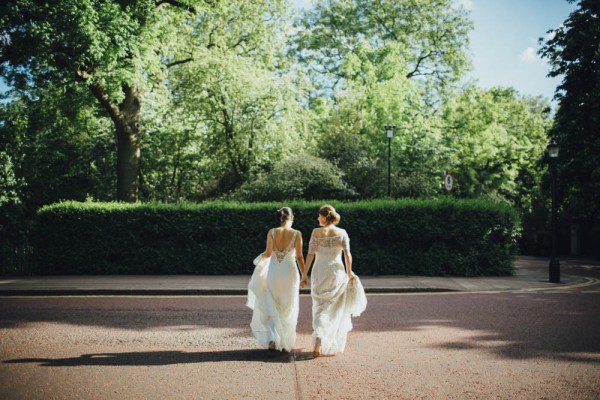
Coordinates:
column 335, row 298
column 273, row 293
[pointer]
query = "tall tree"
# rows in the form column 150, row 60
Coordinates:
column 382, row 62
column 496, row 138
column 428, row 36
column 61, row 145
column 115, row 48
column 238, row 93
column 574, row 54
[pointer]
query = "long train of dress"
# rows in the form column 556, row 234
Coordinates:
column 273, row 296
column 335, row 298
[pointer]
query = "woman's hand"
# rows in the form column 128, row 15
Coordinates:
column 351, row 276
column 303, row 281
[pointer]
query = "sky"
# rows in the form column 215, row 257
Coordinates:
column 504, row 42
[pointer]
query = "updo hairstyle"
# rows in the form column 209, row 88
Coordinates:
column 331, row 216
column 284, row 214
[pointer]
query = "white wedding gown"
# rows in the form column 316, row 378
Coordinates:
column 335, row 298
column 273, row 293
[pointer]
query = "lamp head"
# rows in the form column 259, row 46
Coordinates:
column 553, row 149
column 389, row 129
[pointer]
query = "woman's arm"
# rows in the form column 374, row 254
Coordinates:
column 309, row 259
column 299, row 255
column 347, row 256
column 307, row 265
column 348, row 260
column 269, row 249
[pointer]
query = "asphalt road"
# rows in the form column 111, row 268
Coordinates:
column 525, row 345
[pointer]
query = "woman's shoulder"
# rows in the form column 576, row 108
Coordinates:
column 318, row 231
column 328, row 232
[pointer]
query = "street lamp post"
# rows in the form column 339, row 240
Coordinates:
column 389, row 130
column 554, row 263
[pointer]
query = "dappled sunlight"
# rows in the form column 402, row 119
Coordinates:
column 503, row 326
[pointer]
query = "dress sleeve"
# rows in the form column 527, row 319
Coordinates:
column 345, row 242
column 313, row 245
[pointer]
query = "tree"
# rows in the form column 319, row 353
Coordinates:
column 61, row 145
column 116, row 49
column 381, row 62
column 573, row 53
column 428, row 36
column 354, row 140
column 496, row 138
column 238, row 93
column 9, row 186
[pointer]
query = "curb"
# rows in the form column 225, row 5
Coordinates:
column 184, row 292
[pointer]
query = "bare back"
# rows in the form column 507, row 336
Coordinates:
column 282, row 237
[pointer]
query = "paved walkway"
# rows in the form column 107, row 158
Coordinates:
column 531, row 274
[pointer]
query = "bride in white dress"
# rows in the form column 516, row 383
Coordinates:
column 273, row 290
column 337, row 293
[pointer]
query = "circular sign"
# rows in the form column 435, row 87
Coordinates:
column 448, row 182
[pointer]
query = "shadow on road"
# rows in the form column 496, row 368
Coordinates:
column 155, row 358
column 560, row 326
column 563, row 326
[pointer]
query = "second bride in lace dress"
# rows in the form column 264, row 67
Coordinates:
column 273, row 289
column 337, row 293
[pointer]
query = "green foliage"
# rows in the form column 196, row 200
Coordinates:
column 378, row 63
column 495, row 139
column 296, row 177
column 354, row 139
column 434, row 237
column 59, row 145
column 108, row 43
column 353, row 154
column 573, row 53
column 366, row 40
column 9, row 186
column 14, row 252
column 239, row 110
column 231, row 108
column 228, row 90
column 115, row 50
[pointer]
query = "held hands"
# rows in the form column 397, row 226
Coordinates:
column 303, row 281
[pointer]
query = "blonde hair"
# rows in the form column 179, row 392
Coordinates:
column 331, row 216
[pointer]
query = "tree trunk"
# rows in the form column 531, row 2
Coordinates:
column 126, row 117
column 128, row 132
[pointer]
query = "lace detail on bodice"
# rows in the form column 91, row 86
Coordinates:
column 329, row 245
column 290, row 249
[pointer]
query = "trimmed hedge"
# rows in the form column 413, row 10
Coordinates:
column 412, row 237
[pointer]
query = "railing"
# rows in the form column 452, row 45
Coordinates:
column 16, row 258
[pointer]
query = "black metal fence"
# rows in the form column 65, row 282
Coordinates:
column 16, row 258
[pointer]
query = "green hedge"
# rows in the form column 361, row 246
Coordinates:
column 412, row 237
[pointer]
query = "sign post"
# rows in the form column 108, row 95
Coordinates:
column 448, row 181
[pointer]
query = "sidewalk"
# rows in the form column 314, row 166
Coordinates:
column 531, row 274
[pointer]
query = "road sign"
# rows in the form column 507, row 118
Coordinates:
column 448, row 181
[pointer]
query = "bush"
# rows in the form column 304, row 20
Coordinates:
column 296, row 177
column 414, row 237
